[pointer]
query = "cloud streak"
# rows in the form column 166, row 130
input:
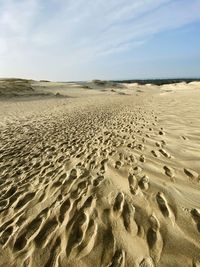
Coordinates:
column 85, row 30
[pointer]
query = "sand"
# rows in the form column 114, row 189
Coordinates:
column 104, row 175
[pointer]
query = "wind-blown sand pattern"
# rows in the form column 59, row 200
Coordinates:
column 108, row 176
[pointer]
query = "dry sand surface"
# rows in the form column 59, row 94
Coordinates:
column 105, row 175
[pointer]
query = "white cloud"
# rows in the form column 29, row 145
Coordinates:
column 17, row 17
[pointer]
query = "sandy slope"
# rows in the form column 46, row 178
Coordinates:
column 101, row 178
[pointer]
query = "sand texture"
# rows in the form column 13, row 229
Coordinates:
column 105, row 175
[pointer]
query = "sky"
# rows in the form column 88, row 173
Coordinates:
column 69, row 40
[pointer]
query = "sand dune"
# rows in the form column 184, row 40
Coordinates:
column 107, row 178
column 10, row 88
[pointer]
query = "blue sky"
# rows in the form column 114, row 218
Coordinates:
column 105, row 39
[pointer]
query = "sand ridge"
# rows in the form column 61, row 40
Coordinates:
column 102, row 178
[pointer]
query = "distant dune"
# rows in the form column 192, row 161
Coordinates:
column 15, row 86
column 22, row 88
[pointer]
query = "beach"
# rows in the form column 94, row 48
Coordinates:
column 99, row 173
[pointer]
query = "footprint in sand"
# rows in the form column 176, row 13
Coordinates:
column 142, row 158
column 164, row 153
column 133, row 184
column 196, row 216
column 191, row 173
column 118, row 203
column 164, row 206
column 45, row 233
column 118, row 164
column 53, row 260
column 169, row 171
column 97, row 181
column 144, row 182
column 155, row 153
column 118, row 260
column 154, row 239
